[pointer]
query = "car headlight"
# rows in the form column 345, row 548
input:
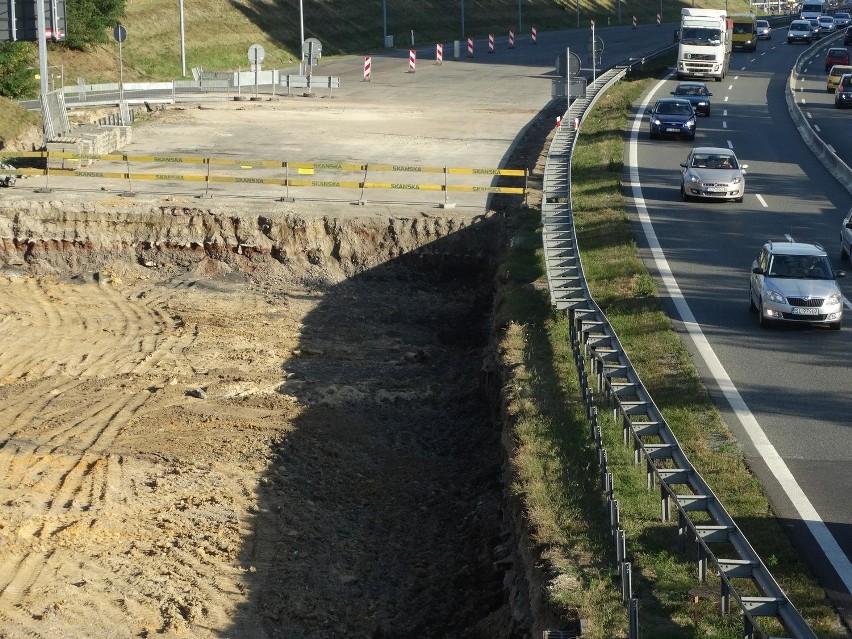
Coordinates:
column 736, row 180
column 690, row 123
column 775, row 296
column 702, row 103
column 656, row 121
column 694, row 179
column 834, row 298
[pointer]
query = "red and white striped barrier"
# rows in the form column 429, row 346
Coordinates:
column 558, row 121
column 490, row 43
column 439, row 53
column 533, row 34
column 511, row 38
column 470, row 47
column 412, row 60
column 658, row 19
column 368, row 68
column 634, row 22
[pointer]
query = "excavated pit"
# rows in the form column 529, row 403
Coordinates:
column 250, row 422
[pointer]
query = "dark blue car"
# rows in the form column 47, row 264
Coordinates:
column 672, row 116
column 697, row 94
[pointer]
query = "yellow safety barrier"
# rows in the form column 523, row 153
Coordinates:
column 299, row 168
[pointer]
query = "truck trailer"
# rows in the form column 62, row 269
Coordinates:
column 704, row 44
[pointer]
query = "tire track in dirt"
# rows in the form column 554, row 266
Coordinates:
column 57, row 475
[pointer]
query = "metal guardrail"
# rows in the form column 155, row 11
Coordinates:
column 699, row 512
column 821, row 149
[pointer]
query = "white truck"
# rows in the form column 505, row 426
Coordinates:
column 813, row 9
column 704, row 44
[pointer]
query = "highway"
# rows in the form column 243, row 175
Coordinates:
column 782, row 391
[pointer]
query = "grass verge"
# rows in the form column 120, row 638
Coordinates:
column 554, row 467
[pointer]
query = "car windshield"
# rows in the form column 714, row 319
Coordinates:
column 674, row 108
column 713, row 161
column 690, row 90
column 762, row 23
column 811, row 267
column 701, row 36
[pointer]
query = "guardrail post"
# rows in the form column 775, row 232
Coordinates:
column 594, row 424
column 726, row 597
column 681, row 531
column 664, row 503
column 602, row 462
column 614, row 517
column 626, row 582
column 633, row 619
column 702, row 563
column 620, row 547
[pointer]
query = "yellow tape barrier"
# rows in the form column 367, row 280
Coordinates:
column 302, row 168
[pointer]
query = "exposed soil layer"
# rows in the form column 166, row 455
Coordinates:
column 219, row 423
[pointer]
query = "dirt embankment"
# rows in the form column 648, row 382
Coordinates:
column 247, row 425
column 251, row 423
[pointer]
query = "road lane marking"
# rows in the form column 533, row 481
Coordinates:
column 761, row 200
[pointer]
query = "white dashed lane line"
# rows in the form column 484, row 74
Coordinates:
column 761, row 200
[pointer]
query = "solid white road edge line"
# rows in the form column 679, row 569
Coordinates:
column 776, row 464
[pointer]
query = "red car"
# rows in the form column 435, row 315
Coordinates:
column 836, row 55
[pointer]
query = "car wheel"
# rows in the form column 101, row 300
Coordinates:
column 739, row 199
column 835, row 326
column 692, row 137
column 683, row 194
column 844, row 254
column 652, row 135
column 751, row 307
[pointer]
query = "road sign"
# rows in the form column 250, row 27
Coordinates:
column 119, row 33
column 573, row 66
column 256, row 54
column 312, row 47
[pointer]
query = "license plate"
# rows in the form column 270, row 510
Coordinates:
column 805, row 311
column 672, row 130
column 716, row 189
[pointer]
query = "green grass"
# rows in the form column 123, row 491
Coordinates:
column 555, row 471
column 14, row 120
column 217, row 33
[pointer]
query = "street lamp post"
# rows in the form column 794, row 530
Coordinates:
column 384, row 21
column 520, row 24
column 462, row 8
column 301, row 35
column 182, row 41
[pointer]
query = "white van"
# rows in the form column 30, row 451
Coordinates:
column 813, row 9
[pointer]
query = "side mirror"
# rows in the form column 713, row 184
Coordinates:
column 685, row 165
column 849, row 224
column 709, row 94
column 840, row 274
column 743, row 166
column 757, row 270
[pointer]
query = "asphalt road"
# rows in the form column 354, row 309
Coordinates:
column 782, row 391
column 463, row 113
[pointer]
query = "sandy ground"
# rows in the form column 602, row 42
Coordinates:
column 295, row 442
column 201, row 453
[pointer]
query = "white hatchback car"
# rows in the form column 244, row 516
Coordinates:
column 827, row 25
column 712, row 173
column 793, row 282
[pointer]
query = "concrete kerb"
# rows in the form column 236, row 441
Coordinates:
column 823, row 151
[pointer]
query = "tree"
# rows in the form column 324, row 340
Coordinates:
column 17, row 76
column 90, row 22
